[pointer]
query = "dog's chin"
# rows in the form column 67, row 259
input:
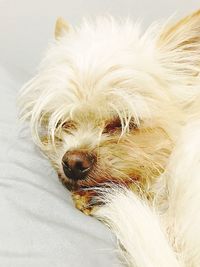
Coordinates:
column 71, row 185
column 92, row 183
column 87, row 193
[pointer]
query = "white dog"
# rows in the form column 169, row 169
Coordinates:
column 117, row 112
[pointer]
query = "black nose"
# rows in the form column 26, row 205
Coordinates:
column 77, row 164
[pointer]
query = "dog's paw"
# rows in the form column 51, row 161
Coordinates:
column 84, row 202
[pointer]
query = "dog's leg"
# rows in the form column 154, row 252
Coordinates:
column 183, row 215
column 142, row 240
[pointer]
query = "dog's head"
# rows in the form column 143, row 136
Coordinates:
column 108, row 101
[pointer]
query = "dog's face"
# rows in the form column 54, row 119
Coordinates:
column 94, row 150
column 105, row 105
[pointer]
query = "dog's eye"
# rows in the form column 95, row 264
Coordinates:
column 68, row 126
column 113, row 126
column 116, row 125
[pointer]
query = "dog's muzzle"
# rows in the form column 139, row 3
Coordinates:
column 77, row 164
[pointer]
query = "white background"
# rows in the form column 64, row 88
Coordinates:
column 27, row 26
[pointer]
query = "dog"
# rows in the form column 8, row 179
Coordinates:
column 116, row 110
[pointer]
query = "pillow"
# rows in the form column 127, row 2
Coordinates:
column 39, row 225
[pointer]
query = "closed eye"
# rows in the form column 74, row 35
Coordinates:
column 116, row 125
column 69, row 126
column 113, row 126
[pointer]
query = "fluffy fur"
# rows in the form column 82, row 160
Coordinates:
column 130, row 98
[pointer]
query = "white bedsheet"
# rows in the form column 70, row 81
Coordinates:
column 39, row 226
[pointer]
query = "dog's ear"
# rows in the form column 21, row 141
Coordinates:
column 180, row 45
column 61, row 27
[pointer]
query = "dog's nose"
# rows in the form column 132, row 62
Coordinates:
column 77, row 164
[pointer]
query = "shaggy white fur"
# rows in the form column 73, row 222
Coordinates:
column 138, row 228
column 150, row 82
column 160, row 235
